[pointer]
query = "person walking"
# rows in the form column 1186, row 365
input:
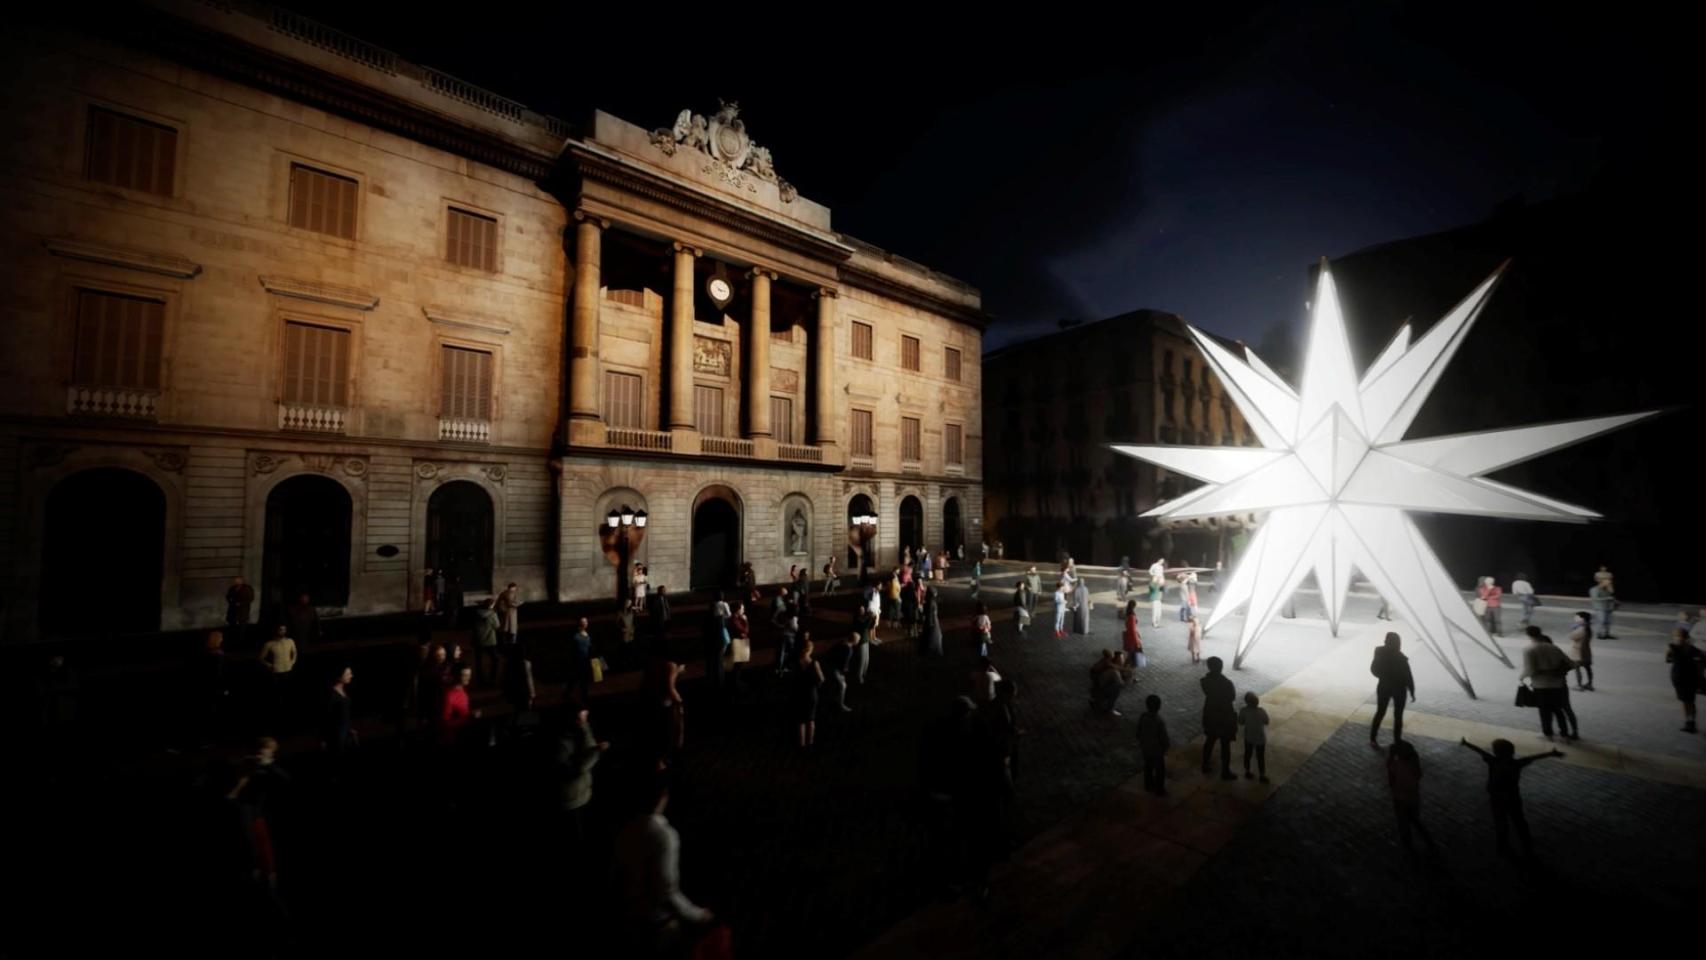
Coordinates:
column 1188, row 594
column 831, row 576
column 1504, row 773
column 1581, row 646
column 1547, row 669
column 1157, row 590
column 1394, row 681
column 1152, row 741
column 985, row 631
column 518, row 687
column 1491, row 597
column 1254, row 720
column 485, row 641
column 1404, row 777
column 1219, row 718
column 1523, row 591
column 808, row 677
column 839, row 661
column 578, row 751
column 1685, row 674
column 1108, row 679
column 1130, row 640
column 661, row 920
column 786, row 636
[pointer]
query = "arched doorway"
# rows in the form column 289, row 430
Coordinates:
column 859, row 506
column 307, row 543
column 103, row 554
column 716, row 538
column 459, row 533
column 953, row 531
column 911, row 524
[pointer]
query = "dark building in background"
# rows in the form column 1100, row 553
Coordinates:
column 1052, row 405
column 1580, row 326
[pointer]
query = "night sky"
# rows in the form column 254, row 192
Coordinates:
column 1089, row 167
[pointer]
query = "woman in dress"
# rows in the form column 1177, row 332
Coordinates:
column 639, row 586
column 1581, row 640
column 1130, row 640
column 932, row 630
column 807, row 678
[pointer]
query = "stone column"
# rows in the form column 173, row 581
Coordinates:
column 758, row 357
column 585, row 416
column 681, row 341
column 826, row 428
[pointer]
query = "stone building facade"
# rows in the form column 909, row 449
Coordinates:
column 1055, row 403
column 284, row 306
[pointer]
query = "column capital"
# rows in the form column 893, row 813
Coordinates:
column 602, row 223
column 762, row 272
column 680, row 247
column 825, row 293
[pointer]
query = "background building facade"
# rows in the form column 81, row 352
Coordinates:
column 1055, row 403
column 281, row 305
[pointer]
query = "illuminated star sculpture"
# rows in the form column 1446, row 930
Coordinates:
column 1335, row 478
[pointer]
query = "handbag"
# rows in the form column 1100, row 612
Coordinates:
column 742, row 650
column 1139, row 660
column 598, row 668
column 1525, row 696
column 1479, row 606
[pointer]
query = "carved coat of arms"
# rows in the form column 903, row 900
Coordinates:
column 730, row 153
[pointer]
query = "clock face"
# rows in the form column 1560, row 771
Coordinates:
column 720, row 289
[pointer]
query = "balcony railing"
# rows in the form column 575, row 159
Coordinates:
column 636, row 439
column 312, row 419
column 464, row 431
column 797, row 451
column 112, row 402
column 726, row 446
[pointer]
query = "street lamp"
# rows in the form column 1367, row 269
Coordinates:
column 624, row 529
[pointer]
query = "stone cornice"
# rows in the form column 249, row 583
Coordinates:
column 317, row 292
column 591, row 164
column 884, row 287
column 226, row 56
column 163, row 264
column 466, row 321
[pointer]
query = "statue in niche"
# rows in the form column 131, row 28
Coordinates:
column 797, row 532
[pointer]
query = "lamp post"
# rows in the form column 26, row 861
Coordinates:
column 865, row 528
column 624, row 529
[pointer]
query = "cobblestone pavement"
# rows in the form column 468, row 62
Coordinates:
column 1319, row 872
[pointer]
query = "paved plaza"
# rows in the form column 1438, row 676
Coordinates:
column 823, row 853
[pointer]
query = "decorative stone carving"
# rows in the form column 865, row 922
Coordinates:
column 711, row 355
column 731, row 154
column 426, row 471
column 171, row 461
column 52, row 454
column 263, row 464
column 797, row 531
column 319, row 462
column 784, row 381
column 497, row 472
column 355, row 466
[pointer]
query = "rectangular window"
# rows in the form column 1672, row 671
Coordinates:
column 861, row 433
column 473, row 240
column 953, row 444
column 316, row 365
column 862, row 340
column 118, row 341
column 130, row 153
column 782, row 419
column 708, row 410
column 910, row 428
column 466, row 393
column 624, row 403
column 909, row 353
column 951, row 363
column 322, row 202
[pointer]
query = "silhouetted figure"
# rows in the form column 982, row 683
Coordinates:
column 1394, row 683
column 1108, row 678
column 485, row 641
column 1219, row 718
column 1254, row 720
column 1685, row 665
column 302, row 622
column 208, row 688
column 239, row 606
column 661, row 920
column 579, row 688
column 807, row 678
column 339, row 735
column 657, row 617
column 931, row 644
column 1404, row 776
column 1504, row 772
column 1153, row 742
column 519, row 691
column 577, row 752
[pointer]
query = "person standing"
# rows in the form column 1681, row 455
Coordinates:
column 924, row 564
column 714, row 640
column 1581, row 645
column 1157, row 590
column 657, row 616
column 1060, row 609
column 1193, row 638
column 518, row 686
column 1152, row 741
column 1081, row 609
column 340, row 737
column 808, row 677
column 239, row 606
column 864, row 629
column 508, row 609
column 579, row 688
column 1254, row 720
column 1547, row 669
column 278, row 656
column 1034, row 581
column 932, row 624
column 637, row 586
column 1188, row 593
column 1601, row 599
column 456, row 713
column 1021, row 608
column 1524, row 593
column 1219, row 718
column 302, row 621
column 577, row 753
column 441, row 590
column 985, row 631
column 1130, row 640
column 740, row 645
column 1393, row 682
column 1108, row 679
column 1491, row 598
column 840, row 661
column 1504, row 773
column 1685, row 665
column 786, row 635
column 891, row 596
column 831, row 577
column 485, row 641
column 909, row 607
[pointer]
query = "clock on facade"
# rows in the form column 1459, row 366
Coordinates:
column 720, row 291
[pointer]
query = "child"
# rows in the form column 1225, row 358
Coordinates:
column 1152, row 741
column 1504, row 770
column 1254, row 720
column 1060, row 610
column 1404, row 775
column 984, row 631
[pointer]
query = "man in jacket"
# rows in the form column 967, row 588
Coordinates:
column 1392, row 671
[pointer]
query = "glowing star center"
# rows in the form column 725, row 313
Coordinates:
column 1335, row 478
